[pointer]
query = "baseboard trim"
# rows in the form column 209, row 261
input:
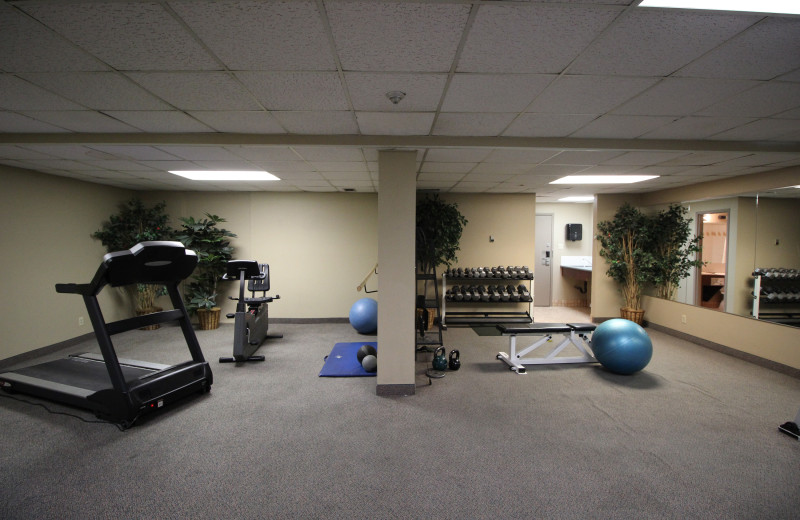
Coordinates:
column 43, row 351
column 745, row 356
column 309, row 320
column 395, row 390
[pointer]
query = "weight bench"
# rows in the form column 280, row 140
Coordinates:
column 576, row 334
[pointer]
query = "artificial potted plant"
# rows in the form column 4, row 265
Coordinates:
column 439, row 228
column 213, row 250
column 673, row 248
column 133, row 224
column 624, row 243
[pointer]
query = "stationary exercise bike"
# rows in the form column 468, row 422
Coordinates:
column 251, row 317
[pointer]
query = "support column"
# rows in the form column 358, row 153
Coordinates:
column 397, row 209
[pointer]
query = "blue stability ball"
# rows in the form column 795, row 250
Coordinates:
column 364, row 316
column 622, row 346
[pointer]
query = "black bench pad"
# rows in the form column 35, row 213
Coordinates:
column 546, row 328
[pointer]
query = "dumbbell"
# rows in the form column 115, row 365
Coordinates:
column 512, row 292
column 494, row 294
column 525, row 295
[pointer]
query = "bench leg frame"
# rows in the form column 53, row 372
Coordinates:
column 516, row 360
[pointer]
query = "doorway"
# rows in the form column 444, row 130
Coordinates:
column 712, row 226
column 543, row 271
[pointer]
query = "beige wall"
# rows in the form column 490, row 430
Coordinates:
column 47, row 223
column 319, row 246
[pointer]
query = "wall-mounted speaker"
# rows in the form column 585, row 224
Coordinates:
column 574, row 232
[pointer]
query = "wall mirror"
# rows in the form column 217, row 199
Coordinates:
column 751, row 244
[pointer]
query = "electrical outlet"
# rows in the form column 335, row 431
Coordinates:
column 683, row 318
column 80, row 321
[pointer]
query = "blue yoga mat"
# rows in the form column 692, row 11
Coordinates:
column 342, row 361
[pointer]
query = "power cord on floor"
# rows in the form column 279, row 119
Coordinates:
column 90, row 421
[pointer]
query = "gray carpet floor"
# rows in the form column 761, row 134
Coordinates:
column 694, row 435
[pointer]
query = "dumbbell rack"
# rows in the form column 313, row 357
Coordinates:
column 779, row 287
column 486, row 317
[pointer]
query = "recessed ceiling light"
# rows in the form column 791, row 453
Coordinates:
column 578, row 198
column 753, row 6
column 603, row 179
column 225, row 175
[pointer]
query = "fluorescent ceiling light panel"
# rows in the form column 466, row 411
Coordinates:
column 603, row 179
column 751, row 6
column 235, row 175
column 578, row 198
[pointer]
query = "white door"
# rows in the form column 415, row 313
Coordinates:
column 543, row 270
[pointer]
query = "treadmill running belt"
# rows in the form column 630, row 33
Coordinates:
column 81, row 373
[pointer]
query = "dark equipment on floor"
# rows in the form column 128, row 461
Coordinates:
column 791, row 428
column 121, row 390
column 251, row 319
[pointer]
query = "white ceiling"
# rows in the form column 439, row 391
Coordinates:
column 500, row 96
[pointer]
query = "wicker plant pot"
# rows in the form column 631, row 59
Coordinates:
column 208, row 318
column 431, row 316
column 635, row 315
column 149, row 310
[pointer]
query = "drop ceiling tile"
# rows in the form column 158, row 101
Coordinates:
column 197, row 90
column 608, row 170
column 435, row 184
column 238, row 122
column 318, row 122
column 170, row 165
column 474, row 123
column 350, row 167
column 547, row 125
column 390, row 123
column 82, row 121
column 159, row 121
column 474, row 187
column 682, row 96
column 296, row 90
column 200, row 153
column 493, row 92
column 116, row 164
column 286, row 35
column 64, row 151
column 765, row 100
column 657, row 42
column 622, row 127
column 556, row 170
column 503, row 168
column 368, row 91
column 393, row 36
column 488, row 177
column 588, row 94
column 766, row 50
column 263, row 153
column 10, row 151
column 329, row 153
column 125, row 35
column 536, row 38
column 12, row 123
column 763, row 130
column 98, row 90
column 643, row 158
column 223, row 164
column 447, row 167
column 288, row 168
column 22, row 95
column 583, row 157
column 30, row 46
column 696, row 127
column 371, row 155
column 457, row 154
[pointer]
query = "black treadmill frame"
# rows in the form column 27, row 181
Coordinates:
column 159, row 262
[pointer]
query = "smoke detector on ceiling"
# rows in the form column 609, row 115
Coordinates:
column 395, row 96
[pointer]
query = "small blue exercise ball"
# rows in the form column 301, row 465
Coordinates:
column 622, row 346
column 364, row 316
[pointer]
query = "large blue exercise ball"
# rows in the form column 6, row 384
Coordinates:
column 622, row 346
column 364, row 316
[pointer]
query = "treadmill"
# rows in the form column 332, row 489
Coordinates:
column 116, row 389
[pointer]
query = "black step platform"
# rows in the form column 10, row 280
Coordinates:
column 122, row 390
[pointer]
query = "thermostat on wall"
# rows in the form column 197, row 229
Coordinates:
column 574, row 232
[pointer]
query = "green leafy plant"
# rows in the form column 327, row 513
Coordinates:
column 213, row 250
column 439, row 228
column 136, row 223
column 673, row 248
column 625, row 244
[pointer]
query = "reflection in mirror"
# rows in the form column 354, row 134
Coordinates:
column 758, row 233
column 776, row 277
